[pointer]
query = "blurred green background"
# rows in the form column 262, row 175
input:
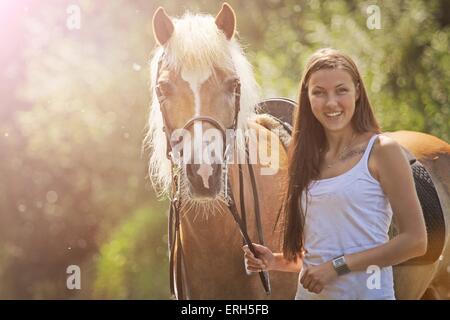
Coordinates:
column 73, row 109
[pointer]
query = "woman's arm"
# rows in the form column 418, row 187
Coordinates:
column 269, row 261
column 392, row 170
column 281, row 264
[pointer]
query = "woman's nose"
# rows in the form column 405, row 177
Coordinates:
column 332, row 101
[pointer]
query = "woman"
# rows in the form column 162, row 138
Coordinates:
column 351, row 180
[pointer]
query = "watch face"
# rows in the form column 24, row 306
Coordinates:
column 340, row 266
column 339, row 262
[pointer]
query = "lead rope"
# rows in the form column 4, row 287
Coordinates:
column 241, row 219
column 176, row 264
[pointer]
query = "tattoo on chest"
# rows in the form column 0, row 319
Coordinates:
column 351, row 154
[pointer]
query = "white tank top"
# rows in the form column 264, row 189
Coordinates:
column 348, row 214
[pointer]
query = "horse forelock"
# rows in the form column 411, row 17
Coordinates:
column 196, row 44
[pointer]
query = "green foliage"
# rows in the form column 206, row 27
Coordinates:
column 133, row 264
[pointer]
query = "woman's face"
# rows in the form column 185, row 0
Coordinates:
column 332, row 95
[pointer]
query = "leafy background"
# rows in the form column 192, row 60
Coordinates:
column 73, row 109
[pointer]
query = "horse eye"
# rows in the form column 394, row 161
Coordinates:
column 166, row 88
column 230, row 84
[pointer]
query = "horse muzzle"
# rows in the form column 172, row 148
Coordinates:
column 204, row 180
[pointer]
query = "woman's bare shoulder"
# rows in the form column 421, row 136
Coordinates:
column 386, row 146
column 386, row 156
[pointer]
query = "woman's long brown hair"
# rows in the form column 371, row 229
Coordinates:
column 309, row 138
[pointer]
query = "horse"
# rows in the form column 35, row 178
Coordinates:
column 195, row 72
column 201, row 80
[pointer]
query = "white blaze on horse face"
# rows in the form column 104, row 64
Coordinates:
column 205, row 171
column 195, row 79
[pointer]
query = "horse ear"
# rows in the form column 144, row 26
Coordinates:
column 226, row 20
column 162, row 26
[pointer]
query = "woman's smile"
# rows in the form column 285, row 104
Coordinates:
column 334, row 115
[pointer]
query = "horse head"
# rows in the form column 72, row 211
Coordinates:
column 203, row 89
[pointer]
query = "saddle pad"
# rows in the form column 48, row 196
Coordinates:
column 432, row 212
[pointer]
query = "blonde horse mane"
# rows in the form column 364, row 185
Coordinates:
column 196, row 43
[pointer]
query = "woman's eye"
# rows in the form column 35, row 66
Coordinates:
column 342, row 90
column 317, row 93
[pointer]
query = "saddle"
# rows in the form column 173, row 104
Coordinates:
column 282, row 109
column 432, row 212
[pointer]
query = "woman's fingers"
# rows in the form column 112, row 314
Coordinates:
column 255, row 261
column 250, row 255
column 247, row 251
column 308, row 283
column 259, row 249
column 304, row 276
column 256, row 267
column 306, row 279
column 251, row 269
column 317, row 288
column 254, row 264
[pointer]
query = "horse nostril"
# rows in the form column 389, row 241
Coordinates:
column 190, row 170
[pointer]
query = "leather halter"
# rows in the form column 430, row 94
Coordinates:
column 178, row 272
column 216, row 124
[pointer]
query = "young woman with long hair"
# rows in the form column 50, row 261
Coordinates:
column 345, row 182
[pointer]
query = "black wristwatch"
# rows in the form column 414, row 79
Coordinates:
column 340, row 265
